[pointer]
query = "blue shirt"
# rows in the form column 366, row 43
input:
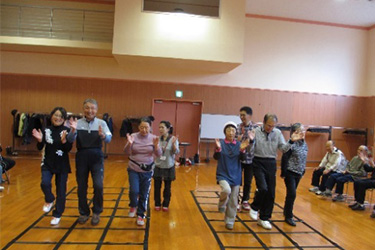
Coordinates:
column 228, row 163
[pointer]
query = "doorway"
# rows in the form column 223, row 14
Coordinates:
column 185, row 117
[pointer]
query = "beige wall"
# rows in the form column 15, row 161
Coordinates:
column 167, row 35
column 278, row 55
column 371, row 63
column 304, row 57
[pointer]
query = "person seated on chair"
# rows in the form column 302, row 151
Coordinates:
column 6, row 164
column 354, row 170
column 332, row 162
column 360, row 187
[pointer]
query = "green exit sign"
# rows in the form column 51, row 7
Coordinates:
column 179, row 93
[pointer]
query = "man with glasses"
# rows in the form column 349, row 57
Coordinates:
column 242, row 135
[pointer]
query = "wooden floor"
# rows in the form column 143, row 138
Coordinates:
column 191, row 223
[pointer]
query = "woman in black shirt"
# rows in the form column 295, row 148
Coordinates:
column 55, row 161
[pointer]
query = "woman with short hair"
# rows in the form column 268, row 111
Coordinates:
column 141, row 148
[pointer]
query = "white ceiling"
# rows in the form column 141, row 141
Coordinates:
column 348, row 12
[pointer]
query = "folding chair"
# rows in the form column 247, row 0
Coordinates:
column 369, row 193
column 5, row 169
column 348, row 198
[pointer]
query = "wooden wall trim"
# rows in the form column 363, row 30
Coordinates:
column 184, row 84
column 295, row 20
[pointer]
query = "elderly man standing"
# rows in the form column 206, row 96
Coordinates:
column 333, row 162
column 90, row 133
column 268, row 140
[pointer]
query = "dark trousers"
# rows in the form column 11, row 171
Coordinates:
column 339, row 179
column 316, row 182
column 166, row 192
column 360, row 188
column 139, row 190
column 90, row 161
column 60, row 182
column 291, row 181
column 265, row 177
column 247, row 170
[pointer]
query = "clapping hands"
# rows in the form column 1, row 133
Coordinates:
column 130, row 139
column 38, row 134
column 73, row 124
column 217, row 142
column 296, row 136
column 156, row 140
column 63, row 136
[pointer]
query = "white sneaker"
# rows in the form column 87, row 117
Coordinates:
column 132, row 212
column 313, row 189
column 1, row 188
column 265, row 224
column 238, row 208
column 253, row 214
column 55, row 221
column 47, row 207
column 140, row 221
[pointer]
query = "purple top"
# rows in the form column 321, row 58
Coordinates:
column 141, row 151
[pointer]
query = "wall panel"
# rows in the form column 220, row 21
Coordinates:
column 121, row 99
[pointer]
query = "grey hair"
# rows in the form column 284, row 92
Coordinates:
column 90, row 100
column 270, row 116
column 295, row 127
column 365, row 148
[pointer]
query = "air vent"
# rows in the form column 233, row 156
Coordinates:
column 194, row 7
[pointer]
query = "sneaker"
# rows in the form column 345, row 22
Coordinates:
column 140, row 221
column 353, row 205
column 253, row 214
column 290, row 221
column 55, row 221
column 157, row 208
column 327, row 193
column 95, row 219
column 358, row 207
column 313, row 189
column 246, row 206
column 338, row 197
column 238, row 208
column 132, row 212
column 319, row 192
column 165, row 209
column 265, row 224
column 229, row 226
column 372, row 214
column 1, row 188
column 82, row 219
column 47, row 207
